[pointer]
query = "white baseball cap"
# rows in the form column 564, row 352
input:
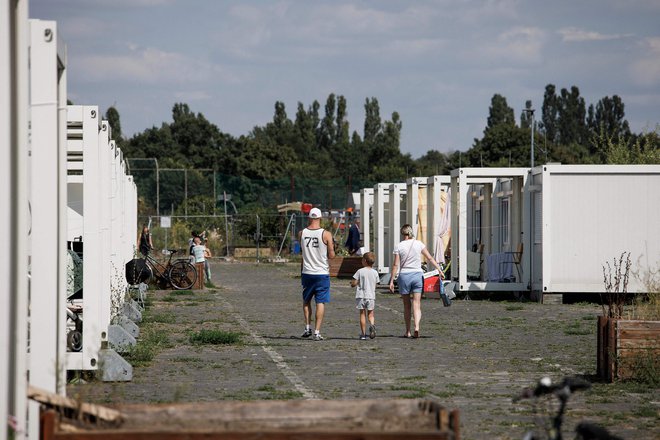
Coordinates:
column 315, row 213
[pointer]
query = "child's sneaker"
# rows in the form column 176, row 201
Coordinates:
column 363, row 337
column 307, row 333
column 318, row 337
column 372, row 331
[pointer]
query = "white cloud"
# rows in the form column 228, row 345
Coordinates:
column 520, row 45
column 646, row 71
column 575, row 35
column 147, row 65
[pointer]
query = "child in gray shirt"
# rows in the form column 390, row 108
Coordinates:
column 365, row 280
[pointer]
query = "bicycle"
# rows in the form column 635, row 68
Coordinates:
column 562, row 391
column 180, row 274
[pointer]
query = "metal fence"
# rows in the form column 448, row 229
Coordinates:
column 239, row 235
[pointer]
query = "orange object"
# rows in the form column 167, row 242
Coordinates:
column 432, row 284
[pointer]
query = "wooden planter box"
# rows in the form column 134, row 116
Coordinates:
column 623, row 344
column 266, row 420
column 344, row 267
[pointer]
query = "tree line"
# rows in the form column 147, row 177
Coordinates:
column 316, row 145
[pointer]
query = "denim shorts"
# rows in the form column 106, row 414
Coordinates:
column 410, row 282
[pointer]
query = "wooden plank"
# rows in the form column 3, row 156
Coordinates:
column 77, row 408
column 263, row 435
column 641, row 344
column 366, row 415
column 638, row 324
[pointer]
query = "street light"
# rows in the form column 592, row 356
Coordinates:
column 530, row 111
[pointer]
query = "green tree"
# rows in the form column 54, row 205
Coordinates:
column 112, row 116
column 572, row 118
column 499, row 112
column 609, row 116
column 433, row 163
column 550, row 113
column 642, row 149
column 328, row 130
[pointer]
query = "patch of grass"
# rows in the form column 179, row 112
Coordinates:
column 412, row 378
column 184, row 359
column 514, row 307
column 576, row 328
column 182, row 292
column 149, row 344
column 164, row 318
column 414, row 392
column 214, row 337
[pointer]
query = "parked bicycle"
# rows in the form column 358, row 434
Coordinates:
column 562, row 391
column 180, row 274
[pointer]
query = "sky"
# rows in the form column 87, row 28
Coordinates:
column 435, row 62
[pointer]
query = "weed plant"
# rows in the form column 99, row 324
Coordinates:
column 214, row 337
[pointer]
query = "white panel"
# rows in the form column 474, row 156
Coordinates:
column 104, row 283
column 596, row 214
column 47, row 316
column 91, row 239
column 7, row 150
column 366, row 207
column 14, row 219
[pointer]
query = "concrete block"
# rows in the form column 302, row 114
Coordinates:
column 128, row 325
column 553, row 298
column 119, row 339
column 113, row 367
column 132, row 311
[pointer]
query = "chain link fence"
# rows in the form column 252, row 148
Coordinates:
column 242, row 236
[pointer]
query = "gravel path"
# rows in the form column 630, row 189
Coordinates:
column 474, row 355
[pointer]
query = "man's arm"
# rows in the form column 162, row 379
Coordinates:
column 327, row 239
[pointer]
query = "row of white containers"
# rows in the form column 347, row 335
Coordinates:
column 575, row 218
column 63, row 178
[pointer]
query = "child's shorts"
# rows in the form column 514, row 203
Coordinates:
column 365, row 303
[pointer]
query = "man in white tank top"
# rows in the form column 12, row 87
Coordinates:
column 317, row 247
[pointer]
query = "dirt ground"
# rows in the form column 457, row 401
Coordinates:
column 475, row 355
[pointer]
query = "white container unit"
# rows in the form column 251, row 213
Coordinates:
column 490, row 214
column 426, row 204
column 84, row 202
column 381, row 234
column 587, row 215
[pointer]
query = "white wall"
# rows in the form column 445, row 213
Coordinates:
column 590, row 215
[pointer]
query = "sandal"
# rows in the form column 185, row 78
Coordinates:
column 416, row 334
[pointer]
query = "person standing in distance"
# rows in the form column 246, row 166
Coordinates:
column 144, row 243
column 317, row 248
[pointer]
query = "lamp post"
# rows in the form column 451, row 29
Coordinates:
column 530, row 111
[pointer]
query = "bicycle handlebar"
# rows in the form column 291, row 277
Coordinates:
column 545, row 386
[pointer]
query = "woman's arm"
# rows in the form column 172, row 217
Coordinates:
column 435, row 264
column 393, row 271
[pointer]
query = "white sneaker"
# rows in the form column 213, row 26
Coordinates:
column 318, row 337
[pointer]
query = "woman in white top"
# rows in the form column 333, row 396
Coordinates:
column 408, row 265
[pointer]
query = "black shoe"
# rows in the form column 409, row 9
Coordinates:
column 372, row 331
column 307, row 333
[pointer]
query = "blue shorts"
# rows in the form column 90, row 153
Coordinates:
column 410, row 282
column 316, row 286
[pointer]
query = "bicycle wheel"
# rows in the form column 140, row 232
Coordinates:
column 182, row 275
